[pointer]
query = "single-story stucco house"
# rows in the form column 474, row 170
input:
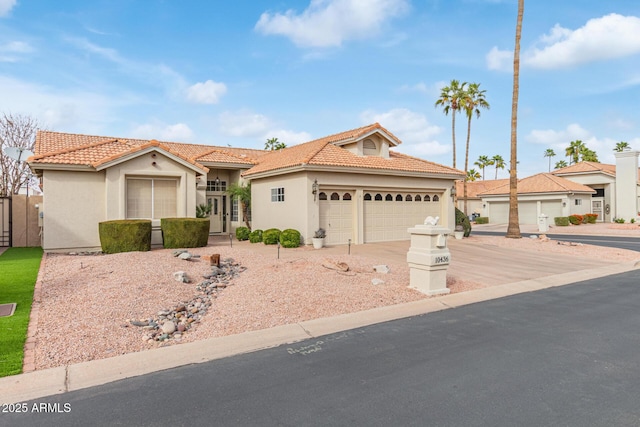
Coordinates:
column 611, row 191
column 352, row 184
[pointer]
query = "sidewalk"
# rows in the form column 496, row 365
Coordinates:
column 510, row 271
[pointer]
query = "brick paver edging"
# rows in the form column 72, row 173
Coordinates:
column 29, row 361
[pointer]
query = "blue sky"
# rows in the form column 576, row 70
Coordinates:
column 237, row 73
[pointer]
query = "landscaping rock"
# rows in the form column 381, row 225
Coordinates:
column 381, row 268
column 168, row 327
column 178, row 252
column 185, row 256
column 333, row 265
column 376, row 282
column 181, row 276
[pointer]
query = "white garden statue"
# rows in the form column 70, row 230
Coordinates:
column 431, row 220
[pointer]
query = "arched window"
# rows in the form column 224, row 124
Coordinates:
column 369, row 147
column 367, row 196
column 436, row 198
column 427, row 198
column 418, row 198
column 408, row 198
column 398, row 197
column 378, row 197
column 388, row 198
column 322, row 195
column 346, row 196
column 335, row 196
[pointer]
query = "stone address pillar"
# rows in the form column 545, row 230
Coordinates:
column 428, row 259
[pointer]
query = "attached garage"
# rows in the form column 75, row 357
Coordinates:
column 387, row 216
column 336, row 216
column 499, row 212
column 551, row 208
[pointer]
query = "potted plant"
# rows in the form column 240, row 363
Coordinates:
column 318, row 238
column 458, row 232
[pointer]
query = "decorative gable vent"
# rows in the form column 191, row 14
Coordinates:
column 369, row 147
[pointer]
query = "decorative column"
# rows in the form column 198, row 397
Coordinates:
column 429, row 258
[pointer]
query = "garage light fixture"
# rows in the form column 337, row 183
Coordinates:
column 453, row 190
column 314, row 189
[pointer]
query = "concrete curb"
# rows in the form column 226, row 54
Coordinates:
column 47, row 382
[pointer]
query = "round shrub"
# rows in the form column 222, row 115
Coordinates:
column 561, row 221
column 462, row 219
column 575, row 219
column 255, row 236
column 290, row 238
column 271, row 236
column 184, row 232
column 482, row 220
column 242, row 233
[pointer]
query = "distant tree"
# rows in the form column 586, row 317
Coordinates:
column 450, row 98
column 482, row 163
column 273, row 144
column 17, row 131
column 621, row 146
column 560, row 164
column 549, row 153
column 573, row 151
column 243, row 194
column 588, row 155
column 498, row 162
column 513, row 229
column 473, row 101
column 473, row 175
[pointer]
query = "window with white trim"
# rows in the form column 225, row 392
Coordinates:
column 217, row 186
column 151, row 198
column 277, row 194
column 578, row 202
column 234, row 209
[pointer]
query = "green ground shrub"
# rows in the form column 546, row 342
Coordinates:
column 590, row 218
column 184, row 232
column 576, row 219
column 271, row 236
column 243, row 233
column 125, row 235
column 255, row 236
column 290, row 238
column 618, row 220
column 482, row 220
column 561, row 221
column 462, row 219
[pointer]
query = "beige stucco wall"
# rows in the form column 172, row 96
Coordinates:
column 73, row 204
column 599, row 180
column 627, row 185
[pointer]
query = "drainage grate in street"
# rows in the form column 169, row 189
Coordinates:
column 7, row 310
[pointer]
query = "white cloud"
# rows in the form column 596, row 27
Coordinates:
column 563, row 137
column 243, row 124
column 179, row 132
column 6, row 6
column 413, row 129
column 500, row 60
column 208, row 92
column 611, row 36
column 9, row 52
column 327, row 23
column 289, row 137
column 423, row 88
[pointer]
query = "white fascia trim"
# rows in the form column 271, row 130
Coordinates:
column 363, row 171
column 148, row 150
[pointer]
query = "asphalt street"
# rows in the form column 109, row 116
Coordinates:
column 622, row 242
column 565, row 356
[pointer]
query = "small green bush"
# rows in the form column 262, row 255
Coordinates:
column 618, row 220
column 576, row 219
column 184, row 232
column 242, row 233
column 462, row 219
column 590, row 218
column 632, row 220
column 561, row 221
column 290, row 238
column 482, row 220
column 255, row 236
column 125, row 235
column 271, row 236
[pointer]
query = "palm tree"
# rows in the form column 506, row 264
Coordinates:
column 498, row 161
column 472, row 102
column 243, row 193
column 588, row 155
column 483, row 162
column 560, row 164
column 573, row 150
column 549, row 153
column 621, row 146
column 273, row 144
column 450, row 101
column 472, row 175
column 513, row 230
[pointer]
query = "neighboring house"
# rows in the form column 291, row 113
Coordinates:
column 352, row 184
column 474, row 188
column 539, row 194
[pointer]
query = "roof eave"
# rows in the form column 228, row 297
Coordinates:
column 351, row 169
column 135, row 154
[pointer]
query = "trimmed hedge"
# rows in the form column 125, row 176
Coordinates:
column 125, row 235
column 184, row 232
column 271, row 236
column 242, row 233
column 290, row 238
column 462, row 219
column 255, row 236
column 482, row 220
column 590, row 218
column 561, row 221
column 576, row 219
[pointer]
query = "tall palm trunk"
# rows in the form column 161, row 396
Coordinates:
column 453, row 134
column 466, row 163
column 513, row 230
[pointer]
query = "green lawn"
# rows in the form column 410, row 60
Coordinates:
column 18, row 273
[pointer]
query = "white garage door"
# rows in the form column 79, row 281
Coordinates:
column 552, row 209
column 527, row 212
column 336, row 216
column 387, row 216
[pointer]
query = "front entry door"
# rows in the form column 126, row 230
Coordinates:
column 596, row 208
column 216, row 213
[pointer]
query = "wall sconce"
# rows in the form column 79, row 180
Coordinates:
column 453, row 190
column 484, row 206
column 217, row 180
column 564, row 204
column 314, row 189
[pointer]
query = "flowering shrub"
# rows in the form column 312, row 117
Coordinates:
column 590, row 218
column 576, row 219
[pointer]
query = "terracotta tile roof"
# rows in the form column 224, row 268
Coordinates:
column 476, row 187
column 541, row 183
column 324, row 152
column 586, row 167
